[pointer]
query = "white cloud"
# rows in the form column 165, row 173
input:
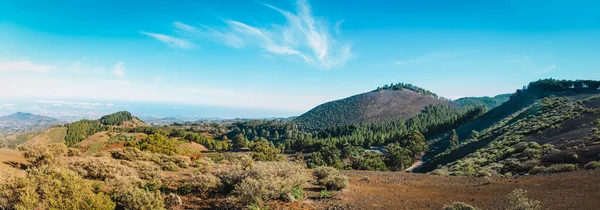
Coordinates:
column 303, row 35
column 547, row 69
column 23, row 66
column 119, row 69
column 170, row 40
column 406, row 62
column 7, row 106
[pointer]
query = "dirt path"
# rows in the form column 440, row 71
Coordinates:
column 413, row 166
column 389, row 190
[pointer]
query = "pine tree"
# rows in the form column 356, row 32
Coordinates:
column 453, row 139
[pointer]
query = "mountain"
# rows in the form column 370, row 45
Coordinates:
column 25, row 122
column 385, row 104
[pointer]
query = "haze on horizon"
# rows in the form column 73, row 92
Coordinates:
column 279, row 58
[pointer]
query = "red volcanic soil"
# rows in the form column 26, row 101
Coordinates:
column 398, row 190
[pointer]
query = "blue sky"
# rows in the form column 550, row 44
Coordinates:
column 280, row 58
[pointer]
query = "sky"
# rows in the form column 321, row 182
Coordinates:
column 268, row 58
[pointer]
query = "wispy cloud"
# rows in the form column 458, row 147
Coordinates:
column 546, row 69
column 406, row 62
column 7, row 106
column 119, row 69
column 171, row 41
column 303, row 35
column 23, row 66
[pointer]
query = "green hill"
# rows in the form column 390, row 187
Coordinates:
column 385, row 104
column 488, row 102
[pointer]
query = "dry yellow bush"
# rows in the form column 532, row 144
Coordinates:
column 38, row 154
column 330, row 178
column 99, row 168
column 48, row 187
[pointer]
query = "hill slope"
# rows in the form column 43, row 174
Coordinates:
column 559, row 109
column 25, row 122
column 383, row 105
column 488, row 102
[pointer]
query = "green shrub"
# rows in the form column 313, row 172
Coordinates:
column 149, row 171
column 156, row 143
column 325, row 194
column 459, row 206
column 556, row 168
column 170, row 166
column 592, row 165
column 51, row 188
column 330, row 178
column 264, row 151
column 517, row 200
column 370, row 161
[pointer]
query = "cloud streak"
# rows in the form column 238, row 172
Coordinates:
column 23, row 66
column 171, row 41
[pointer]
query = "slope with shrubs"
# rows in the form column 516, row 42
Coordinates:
column 515, row 147
column 518, row 107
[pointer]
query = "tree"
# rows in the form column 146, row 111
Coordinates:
column 369, row 160
column 239, row 141
column 264, row 151
column 453, row 139
column 397, row 157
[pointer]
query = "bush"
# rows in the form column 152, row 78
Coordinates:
column 459, row 206
column 99, row 168
column 72, row 152
column 517, row 200
column 172, row 201
column 38, row 154
column 592, row 165
column 51, row 188
column 156, row 143
column 330, row 178
column 148, row 171
column 264, row 151
column 325, row 194
column 370, row 161
column 134, row 198
column 270, row 181
column 556, row 168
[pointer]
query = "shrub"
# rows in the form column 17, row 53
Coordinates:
column 172, row 201
column 99, row 168
column 459, row 206
column 38, row 154
column 592, row 165
column 330, row 178
column 51, row 188
column 131, row 154
column 156, row 143
column 556, row 168
column 204, row 183
column 134, row 198
column 72, row 152
column 170, row 166
column 264, row 151
column 325, row 194
column 3, row 143
column 148, row 171
column 517, row 200
column 370, row 161
column 270, row 181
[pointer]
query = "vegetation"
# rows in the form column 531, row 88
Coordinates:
column 402, row 86
column 80, row 130
column 330, row 178
column 488, row 102
column 517, row 200
column 157, row 143
column 117, row 118
column 459, row 206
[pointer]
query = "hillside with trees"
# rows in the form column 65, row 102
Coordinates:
column 385, row 104
column 489, row 102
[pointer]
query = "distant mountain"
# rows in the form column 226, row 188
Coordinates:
column 25, row 122
column 385, row 104
column 488, row 102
